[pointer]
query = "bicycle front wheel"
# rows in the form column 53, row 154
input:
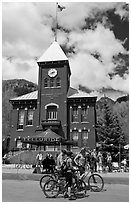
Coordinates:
column 51, row 189
column 44, row 179
column 96, row 182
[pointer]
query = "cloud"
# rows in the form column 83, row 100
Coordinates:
column 27, row 31
column 20, row 70
column 89, row 71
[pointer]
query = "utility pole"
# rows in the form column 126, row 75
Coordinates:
column 119, row 155
column 56, row 21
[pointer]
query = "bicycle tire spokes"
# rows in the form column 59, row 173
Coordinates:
column 44, row 179
column 96, row 182
column 51, row 189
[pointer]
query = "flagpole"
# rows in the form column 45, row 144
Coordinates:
column 56, row 22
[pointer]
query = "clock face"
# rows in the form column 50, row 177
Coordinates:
column 52, row 72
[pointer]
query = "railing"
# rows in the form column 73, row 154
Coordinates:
column 51, row 122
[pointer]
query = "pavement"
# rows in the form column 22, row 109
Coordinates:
column 9, row 172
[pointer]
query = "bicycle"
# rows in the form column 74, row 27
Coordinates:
column 52, row 188
column 54, row 176
column 23, row 166
column 95, row 181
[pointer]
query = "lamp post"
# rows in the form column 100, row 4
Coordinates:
column 119, row 155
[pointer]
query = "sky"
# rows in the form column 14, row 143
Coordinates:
column 94, row 36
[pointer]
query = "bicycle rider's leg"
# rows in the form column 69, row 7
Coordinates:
column 92, row 171
column 69, row 181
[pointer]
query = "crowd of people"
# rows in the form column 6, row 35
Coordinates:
column 98, row 161
column 65, row 161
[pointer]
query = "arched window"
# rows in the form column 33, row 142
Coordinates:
column 51, row 113
column 58, row 82
column 46, row 84
column 52, row 83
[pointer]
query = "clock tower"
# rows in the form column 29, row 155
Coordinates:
column 54, row 82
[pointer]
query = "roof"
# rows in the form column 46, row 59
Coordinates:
column 53, row 53
column 79, row 94
column 48, row 134
column 34, row 95
column 72, row 93
column 29, row 96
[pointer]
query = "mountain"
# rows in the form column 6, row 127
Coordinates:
column 18, row 86
column 108, row 92
column 100, row 102
column 123, row 99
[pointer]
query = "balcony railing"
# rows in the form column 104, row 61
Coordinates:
column 51, row 123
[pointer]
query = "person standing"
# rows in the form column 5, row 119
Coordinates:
column 109, row 162
column 80, row 160
column 39, row 157
column 99, row 159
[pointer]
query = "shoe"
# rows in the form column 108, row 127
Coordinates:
column 72, row 197
column 66, row 195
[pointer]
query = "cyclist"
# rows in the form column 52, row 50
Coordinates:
column 60, row 159
column 69, row 171
column 80, row 160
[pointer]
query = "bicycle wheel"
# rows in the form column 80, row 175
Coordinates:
column 51, row 189
column 17, row 166
column 44, row 179
column 80, row 189
column 28, row 166
column 96, row 182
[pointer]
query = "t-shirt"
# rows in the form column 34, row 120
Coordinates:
column 39, row 157
column 79, row 159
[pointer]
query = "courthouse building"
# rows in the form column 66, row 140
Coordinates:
column 55, row 107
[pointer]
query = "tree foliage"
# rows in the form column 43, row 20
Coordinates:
column 109, row 131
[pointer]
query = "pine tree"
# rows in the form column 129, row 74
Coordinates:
column 109, row 132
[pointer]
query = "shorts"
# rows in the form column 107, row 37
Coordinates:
column 69, row 178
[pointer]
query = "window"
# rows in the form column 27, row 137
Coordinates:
column 75, row 136
column 21, row 115
column 52, row 113
column 58, row 82
column 51, row 148
column 29, row 120
column 75, row 114
column 52, row 83
column 46, row 83
column 84, row 114
column 85, row 137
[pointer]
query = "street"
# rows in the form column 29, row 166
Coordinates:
column 29, row 191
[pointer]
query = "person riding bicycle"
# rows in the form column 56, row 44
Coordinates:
column 69, row 171
column 80, row 160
